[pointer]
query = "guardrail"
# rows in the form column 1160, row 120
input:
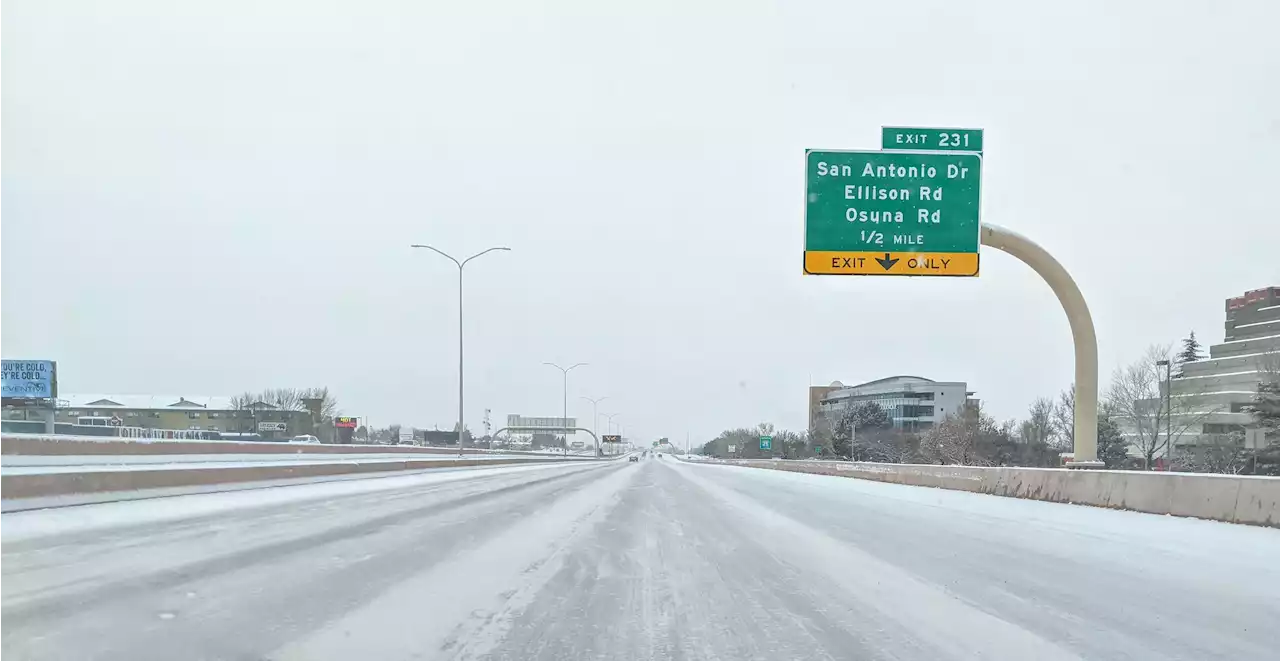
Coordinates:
column 1248, row 499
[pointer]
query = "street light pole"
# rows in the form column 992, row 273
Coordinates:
column 595, row 416
column 460, row 265
column 565, row 420
column 1168, row 410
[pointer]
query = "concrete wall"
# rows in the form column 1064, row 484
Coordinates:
column 1238, row 499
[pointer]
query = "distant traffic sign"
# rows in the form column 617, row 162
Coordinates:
column 929, row 139
column 611, row 438
column 732, row 449
column 766, row 442
column 892, row 213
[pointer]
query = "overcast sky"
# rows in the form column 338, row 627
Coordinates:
column 210, row 197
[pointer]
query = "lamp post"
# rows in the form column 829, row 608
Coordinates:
column 595, row 416
column 565, row 420
column 460, row 265
column 1168, row 410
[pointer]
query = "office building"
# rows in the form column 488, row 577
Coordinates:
column 913, row 403
column 1209, row 398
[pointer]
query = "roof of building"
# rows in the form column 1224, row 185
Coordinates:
column 904, row 378
column 118, row 401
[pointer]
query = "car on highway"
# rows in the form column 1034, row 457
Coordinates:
column 305, row 438
column 633, row 458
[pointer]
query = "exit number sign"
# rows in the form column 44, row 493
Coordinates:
column 930, row 139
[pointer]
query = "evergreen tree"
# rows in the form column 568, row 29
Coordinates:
column 1113, row 450
column 1191, row 351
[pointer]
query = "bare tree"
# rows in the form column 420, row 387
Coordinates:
column 1135, row 398
column 1064, row 419
column 1038, row 427
column 954, row 441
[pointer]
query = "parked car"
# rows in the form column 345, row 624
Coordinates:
column 305, row 438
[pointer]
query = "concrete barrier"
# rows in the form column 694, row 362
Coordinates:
column 59, row 489
column 51, row 445
column 1245, row 499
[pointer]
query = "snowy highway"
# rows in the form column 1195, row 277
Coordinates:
column 659, row 559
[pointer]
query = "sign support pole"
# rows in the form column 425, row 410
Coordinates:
column 1082, row 332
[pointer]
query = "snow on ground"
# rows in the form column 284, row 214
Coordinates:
column 38, row 523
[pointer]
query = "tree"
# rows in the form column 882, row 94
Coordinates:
column 362, row 433
column 1038, row 427
column 1113, row 450
column 862, row 420
column 1135, row 399
column 1064, row 419
column 1191, row 351
column 954, row 440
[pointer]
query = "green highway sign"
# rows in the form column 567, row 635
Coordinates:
column 925, row 139
column 817, row 449
column 892, row 213
column 766, row 442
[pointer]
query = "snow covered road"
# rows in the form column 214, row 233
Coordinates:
column 651, row 560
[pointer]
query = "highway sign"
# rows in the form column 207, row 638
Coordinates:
column 766, row 442
column 891, row 213
column 930, row 139
column 817, row 449
column 611, row 438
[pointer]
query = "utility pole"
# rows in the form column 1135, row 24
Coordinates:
column 460, row 264
column 565, row 420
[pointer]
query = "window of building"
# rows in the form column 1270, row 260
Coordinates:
column 194, row 415
column 75, row 413
column 132, row 414
column 213, row 416
column 155, row 414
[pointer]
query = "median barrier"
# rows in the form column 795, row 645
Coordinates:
column 1246, row 499
column 101, row 482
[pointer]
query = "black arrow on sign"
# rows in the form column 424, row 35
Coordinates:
column 886, row 262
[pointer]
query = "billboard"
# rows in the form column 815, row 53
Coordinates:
column 272, row 426
column 345, row 422
column 29, row 379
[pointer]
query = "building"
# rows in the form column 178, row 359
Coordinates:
column 1210, row 398
column 912, row 402
column 179, row 412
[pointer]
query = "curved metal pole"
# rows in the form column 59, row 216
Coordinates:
column 1082, row 332
column 593, row 434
